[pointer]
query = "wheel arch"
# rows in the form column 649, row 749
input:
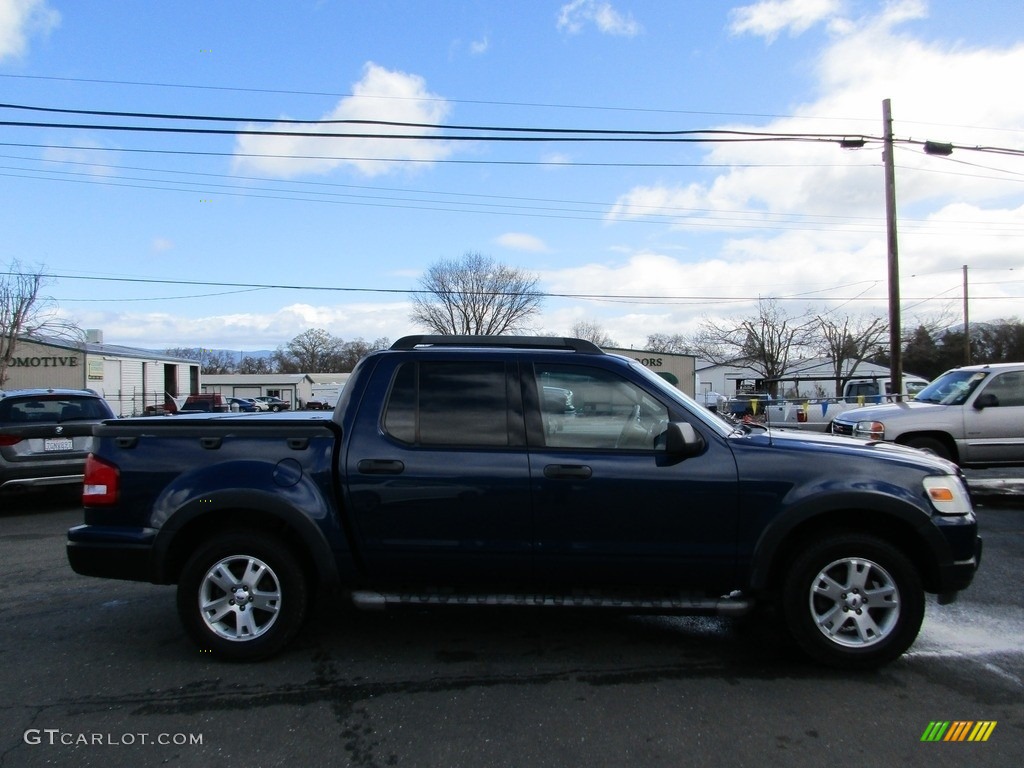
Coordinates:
column 204, row 519
column 944, row 438
column 775, row 554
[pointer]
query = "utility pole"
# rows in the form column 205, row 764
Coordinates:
column 895, row 348
column 967, row 324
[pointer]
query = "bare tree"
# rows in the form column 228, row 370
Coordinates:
column 591, row 330
column 765, row 342
column 312, row 351
column 475, row 296
column 253, row 364
column 674, row 343
column 846, row 338
column 25, row 313
column 352, row 352
column 212, row 362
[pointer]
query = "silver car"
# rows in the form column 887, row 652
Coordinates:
column 972, row 415
column 45, row 435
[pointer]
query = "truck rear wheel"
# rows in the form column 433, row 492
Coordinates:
column 242, row 596
column 853, row 601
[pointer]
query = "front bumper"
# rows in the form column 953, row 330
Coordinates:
column 959, row 574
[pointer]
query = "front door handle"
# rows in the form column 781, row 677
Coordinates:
column 573, row 471
column 380, row 467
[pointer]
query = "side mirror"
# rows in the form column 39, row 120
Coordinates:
column 986, row 400
column 681, row 439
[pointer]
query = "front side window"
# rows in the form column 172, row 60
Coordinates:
column 449, row 403
column 591, row 408
column 1008, row 389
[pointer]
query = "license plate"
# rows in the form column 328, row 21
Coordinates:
column 58, row 444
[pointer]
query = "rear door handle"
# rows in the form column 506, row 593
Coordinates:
column 380, row 467
column 573, row 471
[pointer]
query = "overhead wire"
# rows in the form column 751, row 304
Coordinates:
column 650, row 299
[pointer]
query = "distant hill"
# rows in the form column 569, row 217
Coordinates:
column 235, row 354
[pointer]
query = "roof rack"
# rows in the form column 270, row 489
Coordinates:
column 515, row 342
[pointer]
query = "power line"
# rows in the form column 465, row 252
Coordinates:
column 538, row 294
column 547, row 134
column 507, row 205
column 483, row 102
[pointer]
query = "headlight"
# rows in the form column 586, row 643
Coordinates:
column 872, row 430
column 947, row 494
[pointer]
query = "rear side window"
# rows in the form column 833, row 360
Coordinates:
column 449, row 403
column 51, row 409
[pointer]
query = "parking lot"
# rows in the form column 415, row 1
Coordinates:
column 99, row 673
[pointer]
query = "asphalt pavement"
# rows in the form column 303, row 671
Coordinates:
column 1002, row 481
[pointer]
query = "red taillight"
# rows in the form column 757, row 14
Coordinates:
column 9, row 440
column 102, row 482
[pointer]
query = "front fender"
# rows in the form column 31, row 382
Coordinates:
column 879, row 509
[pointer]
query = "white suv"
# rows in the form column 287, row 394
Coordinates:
column 972, row 415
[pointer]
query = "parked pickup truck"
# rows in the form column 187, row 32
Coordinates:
column 451, row 474
column 210, row 402
column 818, row 415
column 972, row 415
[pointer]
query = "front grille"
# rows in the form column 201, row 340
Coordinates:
column 842, row 429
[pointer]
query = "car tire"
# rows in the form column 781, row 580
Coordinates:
column 242, row 596
column 275, row 408
column 931, row 445
column 853, row 601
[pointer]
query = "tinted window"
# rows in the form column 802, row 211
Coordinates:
column 589, row 408
column 449, row 403
column 50, row 409
column 1008, row 389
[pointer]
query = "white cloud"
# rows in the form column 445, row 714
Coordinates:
column 480, row 47
column 800, row 219
column 770, row 17
column 20, row 20
column 162, row 245
column 247, row 331
column 381, row 95
column 575, row 15
column 518, row 241
column 83, row 157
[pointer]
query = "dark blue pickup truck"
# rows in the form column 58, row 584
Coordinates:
column 483, row 471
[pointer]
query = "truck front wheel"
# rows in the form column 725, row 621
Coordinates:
column 931, row 445
column 242, row 596
column 853, row 601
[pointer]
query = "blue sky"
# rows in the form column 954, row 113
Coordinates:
column 659, row 235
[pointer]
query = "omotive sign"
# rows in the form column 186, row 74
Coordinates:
column 54, row 361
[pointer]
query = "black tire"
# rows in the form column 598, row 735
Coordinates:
column 931, row 445
column 853, row 601
column 242, row 596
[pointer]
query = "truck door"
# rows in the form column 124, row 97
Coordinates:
column 611, row 508
column 996, row 432
column 437, row 474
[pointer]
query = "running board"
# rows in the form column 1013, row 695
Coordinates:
column 730, row 605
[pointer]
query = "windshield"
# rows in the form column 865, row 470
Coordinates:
column 951, row 388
